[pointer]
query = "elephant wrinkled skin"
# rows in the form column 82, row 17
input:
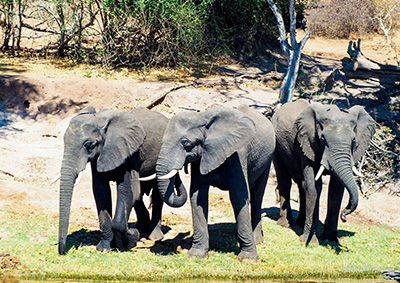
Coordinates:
column 311, row 135
column 229, row 149
column 121, row 146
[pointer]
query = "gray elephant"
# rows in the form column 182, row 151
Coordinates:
column 121, row 146
column 229, row 149
column 313, row 139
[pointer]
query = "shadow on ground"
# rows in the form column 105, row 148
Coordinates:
column 273, row 214
column 20, row 97
column 222, row 237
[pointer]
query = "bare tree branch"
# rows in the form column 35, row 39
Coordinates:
column 281, row 26
column 293, row 51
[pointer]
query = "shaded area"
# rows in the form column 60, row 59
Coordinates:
column 222, row 239
column 25, row 98
column 81, row 238
column 16, row 93
column 273, row 214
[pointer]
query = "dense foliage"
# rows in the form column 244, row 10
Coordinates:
column 139, row 32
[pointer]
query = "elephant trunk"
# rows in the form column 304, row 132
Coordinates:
column 342, row 168
column 67, row 181
column 166, row 186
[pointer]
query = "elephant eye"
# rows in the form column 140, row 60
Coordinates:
column 323, row 140
column 89, row 145
column 186, row 144
column 353, row 143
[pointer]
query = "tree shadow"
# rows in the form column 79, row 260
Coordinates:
column 21, row 98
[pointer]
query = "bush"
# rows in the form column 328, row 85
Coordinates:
column 141, row 33
column 341, row 18
column 245, row 26
column 152, row 33
column 171, row 32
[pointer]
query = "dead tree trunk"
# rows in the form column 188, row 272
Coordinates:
column 293, row 51
column 360, row 67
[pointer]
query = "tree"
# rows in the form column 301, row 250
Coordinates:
column 292, row 50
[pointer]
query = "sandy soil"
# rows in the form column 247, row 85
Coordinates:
column 39, row 100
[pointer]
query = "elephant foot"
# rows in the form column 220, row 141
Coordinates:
column 308, row 239
column 197, row 253
column 258, row 238
column 156, row 234
column 104, row 246
column 248, row 256
column 284, row 222
column 330, row 237
column 130, row 239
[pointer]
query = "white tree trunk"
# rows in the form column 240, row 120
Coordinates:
column 292, row 51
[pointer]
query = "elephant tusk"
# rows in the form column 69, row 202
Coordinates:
column 56, row 178
column 78, row 179
column 148, row 178
column 168, row 176
column 320, row 171
column 356, row 172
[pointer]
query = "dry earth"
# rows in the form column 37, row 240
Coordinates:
column 39, row 98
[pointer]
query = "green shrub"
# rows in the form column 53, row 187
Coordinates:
column 173, row 32
column 143, row 33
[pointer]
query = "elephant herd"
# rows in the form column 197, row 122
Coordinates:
column 231, row 149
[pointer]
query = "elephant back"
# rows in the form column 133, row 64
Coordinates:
column 154, row 125
column 262, row 146
column 284, row 122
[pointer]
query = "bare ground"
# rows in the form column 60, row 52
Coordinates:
column 39, row 98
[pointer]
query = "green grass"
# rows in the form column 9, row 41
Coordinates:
column 364, row 252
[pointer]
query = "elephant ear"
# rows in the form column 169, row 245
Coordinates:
column 123, row 136
column 227, row 131
column 364, row 130
column 307, row 135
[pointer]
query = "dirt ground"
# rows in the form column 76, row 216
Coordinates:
column 39, row 99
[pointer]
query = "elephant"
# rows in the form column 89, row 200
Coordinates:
column 313, row 139
column 122, row 147
column 226, row 148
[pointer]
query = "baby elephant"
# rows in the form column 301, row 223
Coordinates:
column 121, row 147
column 228, row 149
column 313, row 139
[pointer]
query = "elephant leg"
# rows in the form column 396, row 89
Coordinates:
column 248, row 250
column 102, row 197
column 312, row 194
column 302, row 205
column 256, row 198
column 143, row 217
column 239, row 196
column 284, row 184
column 199, row 204
column 155, row 232
column 335, row 195
column 127, row 195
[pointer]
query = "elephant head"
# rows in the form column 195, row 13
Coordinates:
column 336, row 140
column 107, row 138
column 209, row 138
